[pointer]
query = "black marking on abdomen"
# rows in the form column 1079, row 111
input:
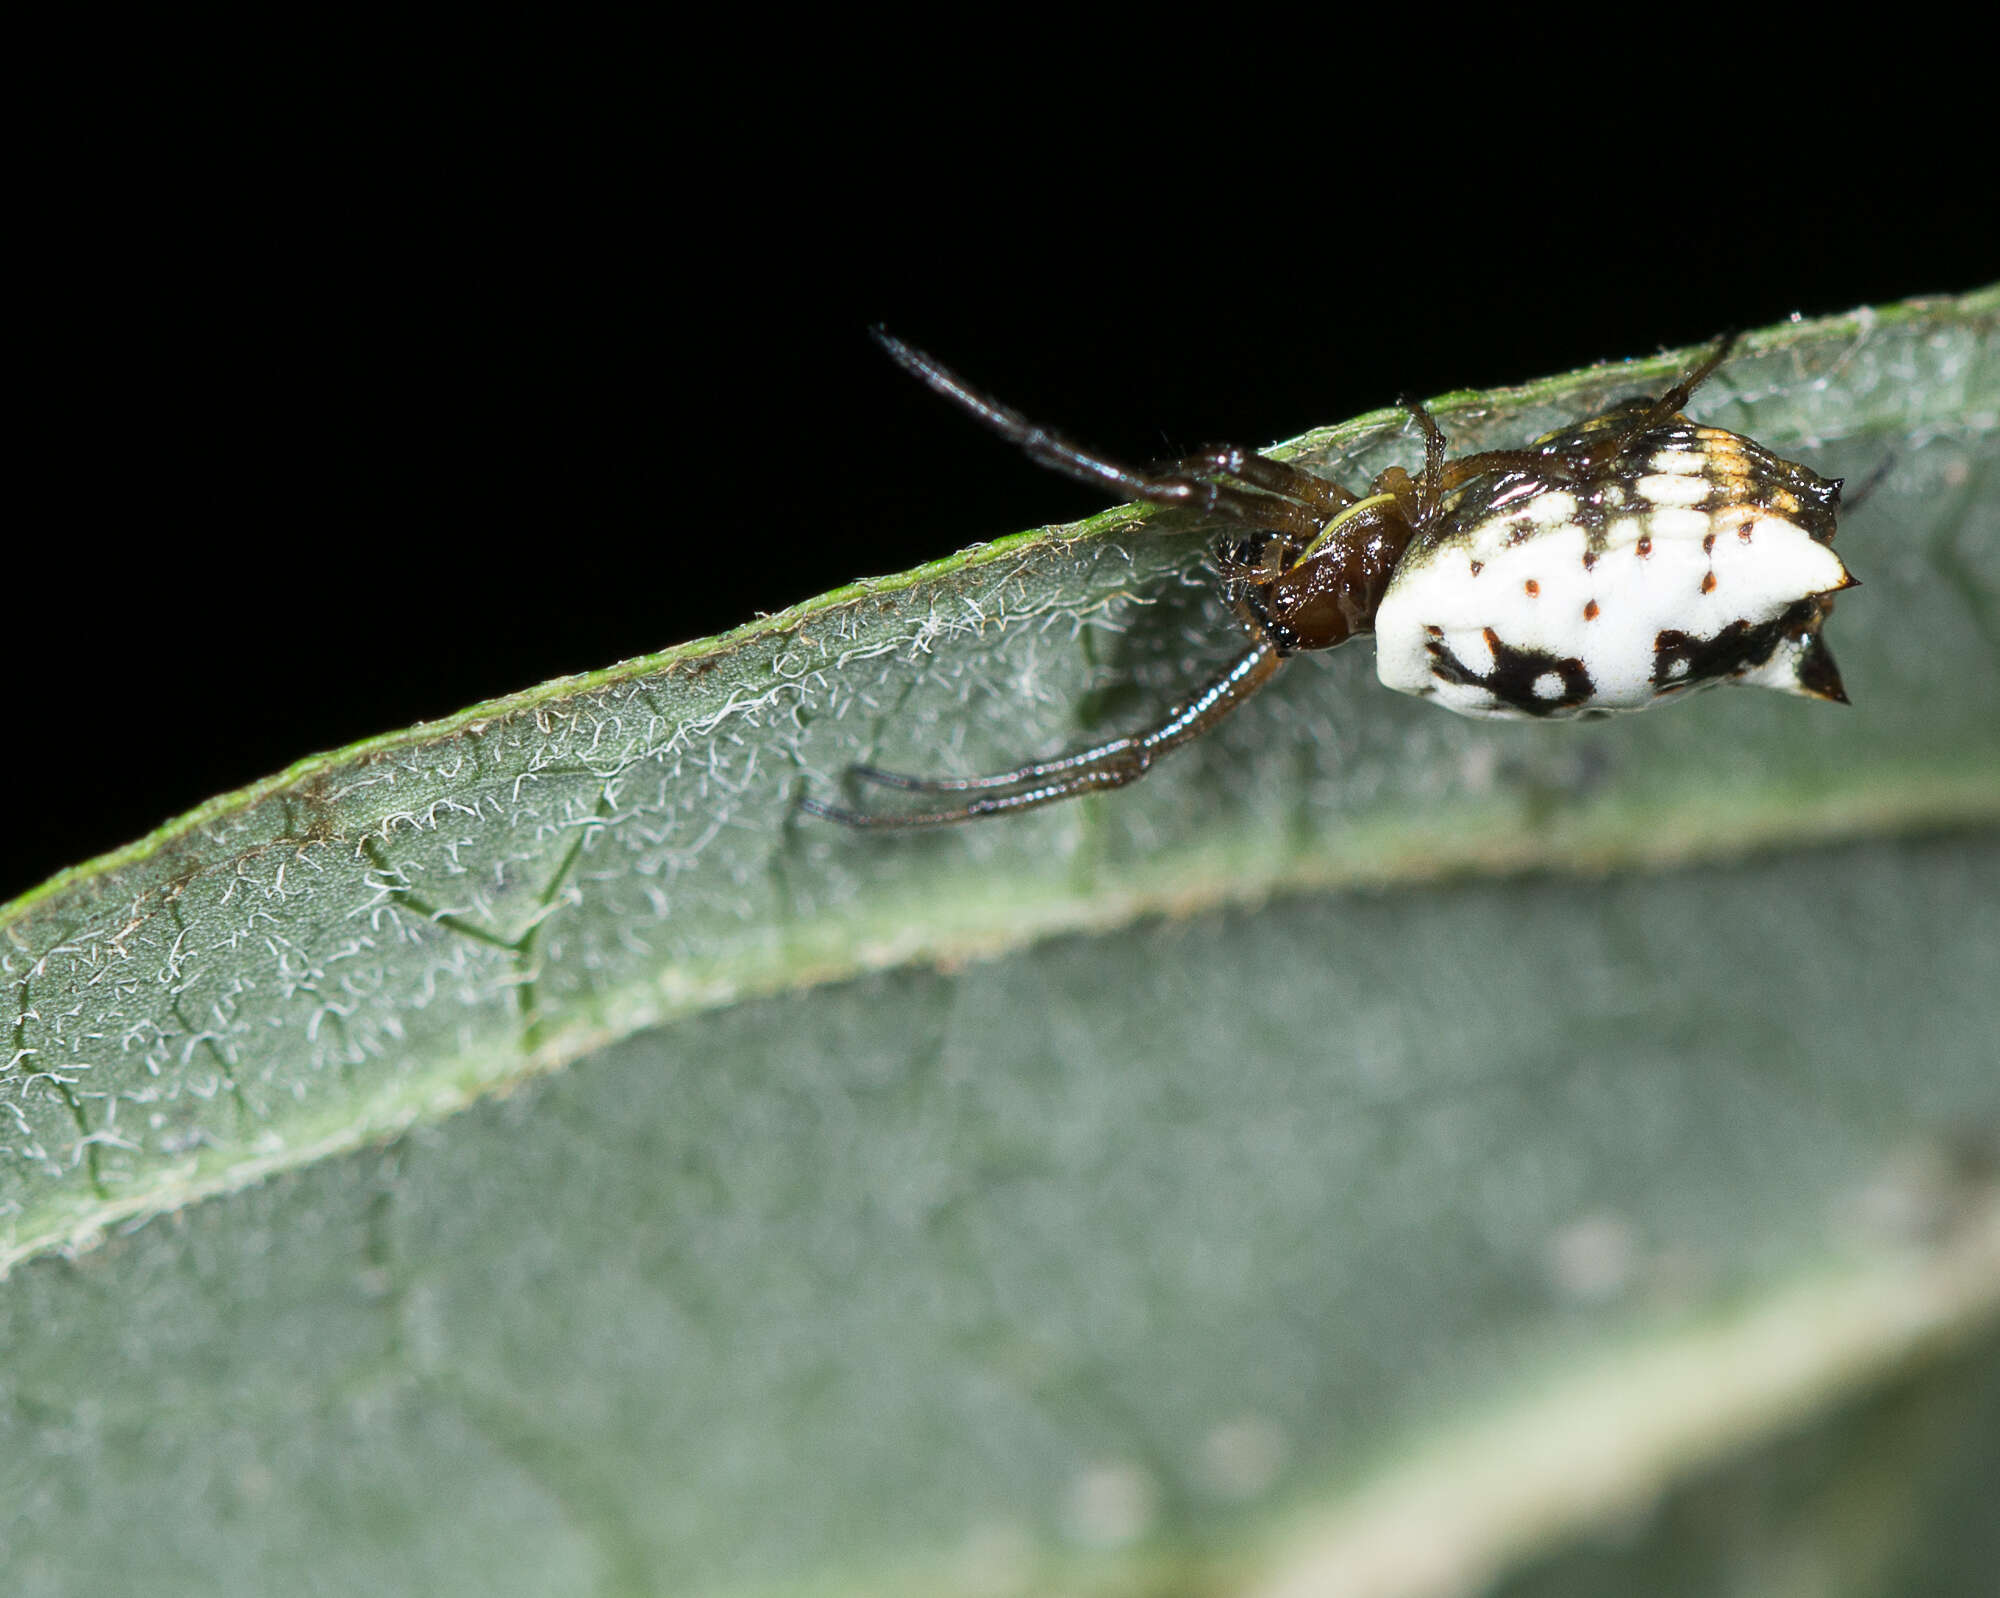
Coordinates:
column 1738, row 648
column 1514, row 675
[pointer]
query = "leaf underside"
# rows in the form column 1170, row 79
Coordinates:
column 1120, row 1264
column 1131, row 1261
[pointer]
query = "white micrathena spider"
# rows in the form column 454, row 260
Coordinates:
column 1608, row 566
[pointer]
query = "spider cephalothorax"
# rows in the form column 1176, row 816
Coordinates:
column 1607, row 566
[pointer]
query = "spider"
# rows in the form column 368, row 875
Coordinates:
column 1607, row 566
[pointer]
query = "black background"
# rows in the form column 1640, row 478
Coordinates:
column 337, row 430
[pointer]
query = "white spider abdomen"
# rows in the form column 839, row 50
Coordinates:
column 1531, row 607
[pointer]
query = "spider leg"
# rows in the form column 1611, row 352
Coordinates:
column 1044, row 782
column 1431, row 494
column 1671, row 403
column 1173, row 486
column 1528, row 462
column 1611, row 443
column 1260, row 471
column 1852, row 500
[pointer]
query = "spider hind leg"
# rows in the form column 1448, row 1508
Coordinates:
column 1104, row 766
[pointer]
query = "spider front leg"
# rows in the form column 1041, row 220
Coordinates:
column 1274, row 497
column 1261, row 471
column 1288, row 507
column 1045, row 782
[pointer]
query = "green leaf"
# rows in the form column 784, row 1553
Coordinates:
column 1163, row 1256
